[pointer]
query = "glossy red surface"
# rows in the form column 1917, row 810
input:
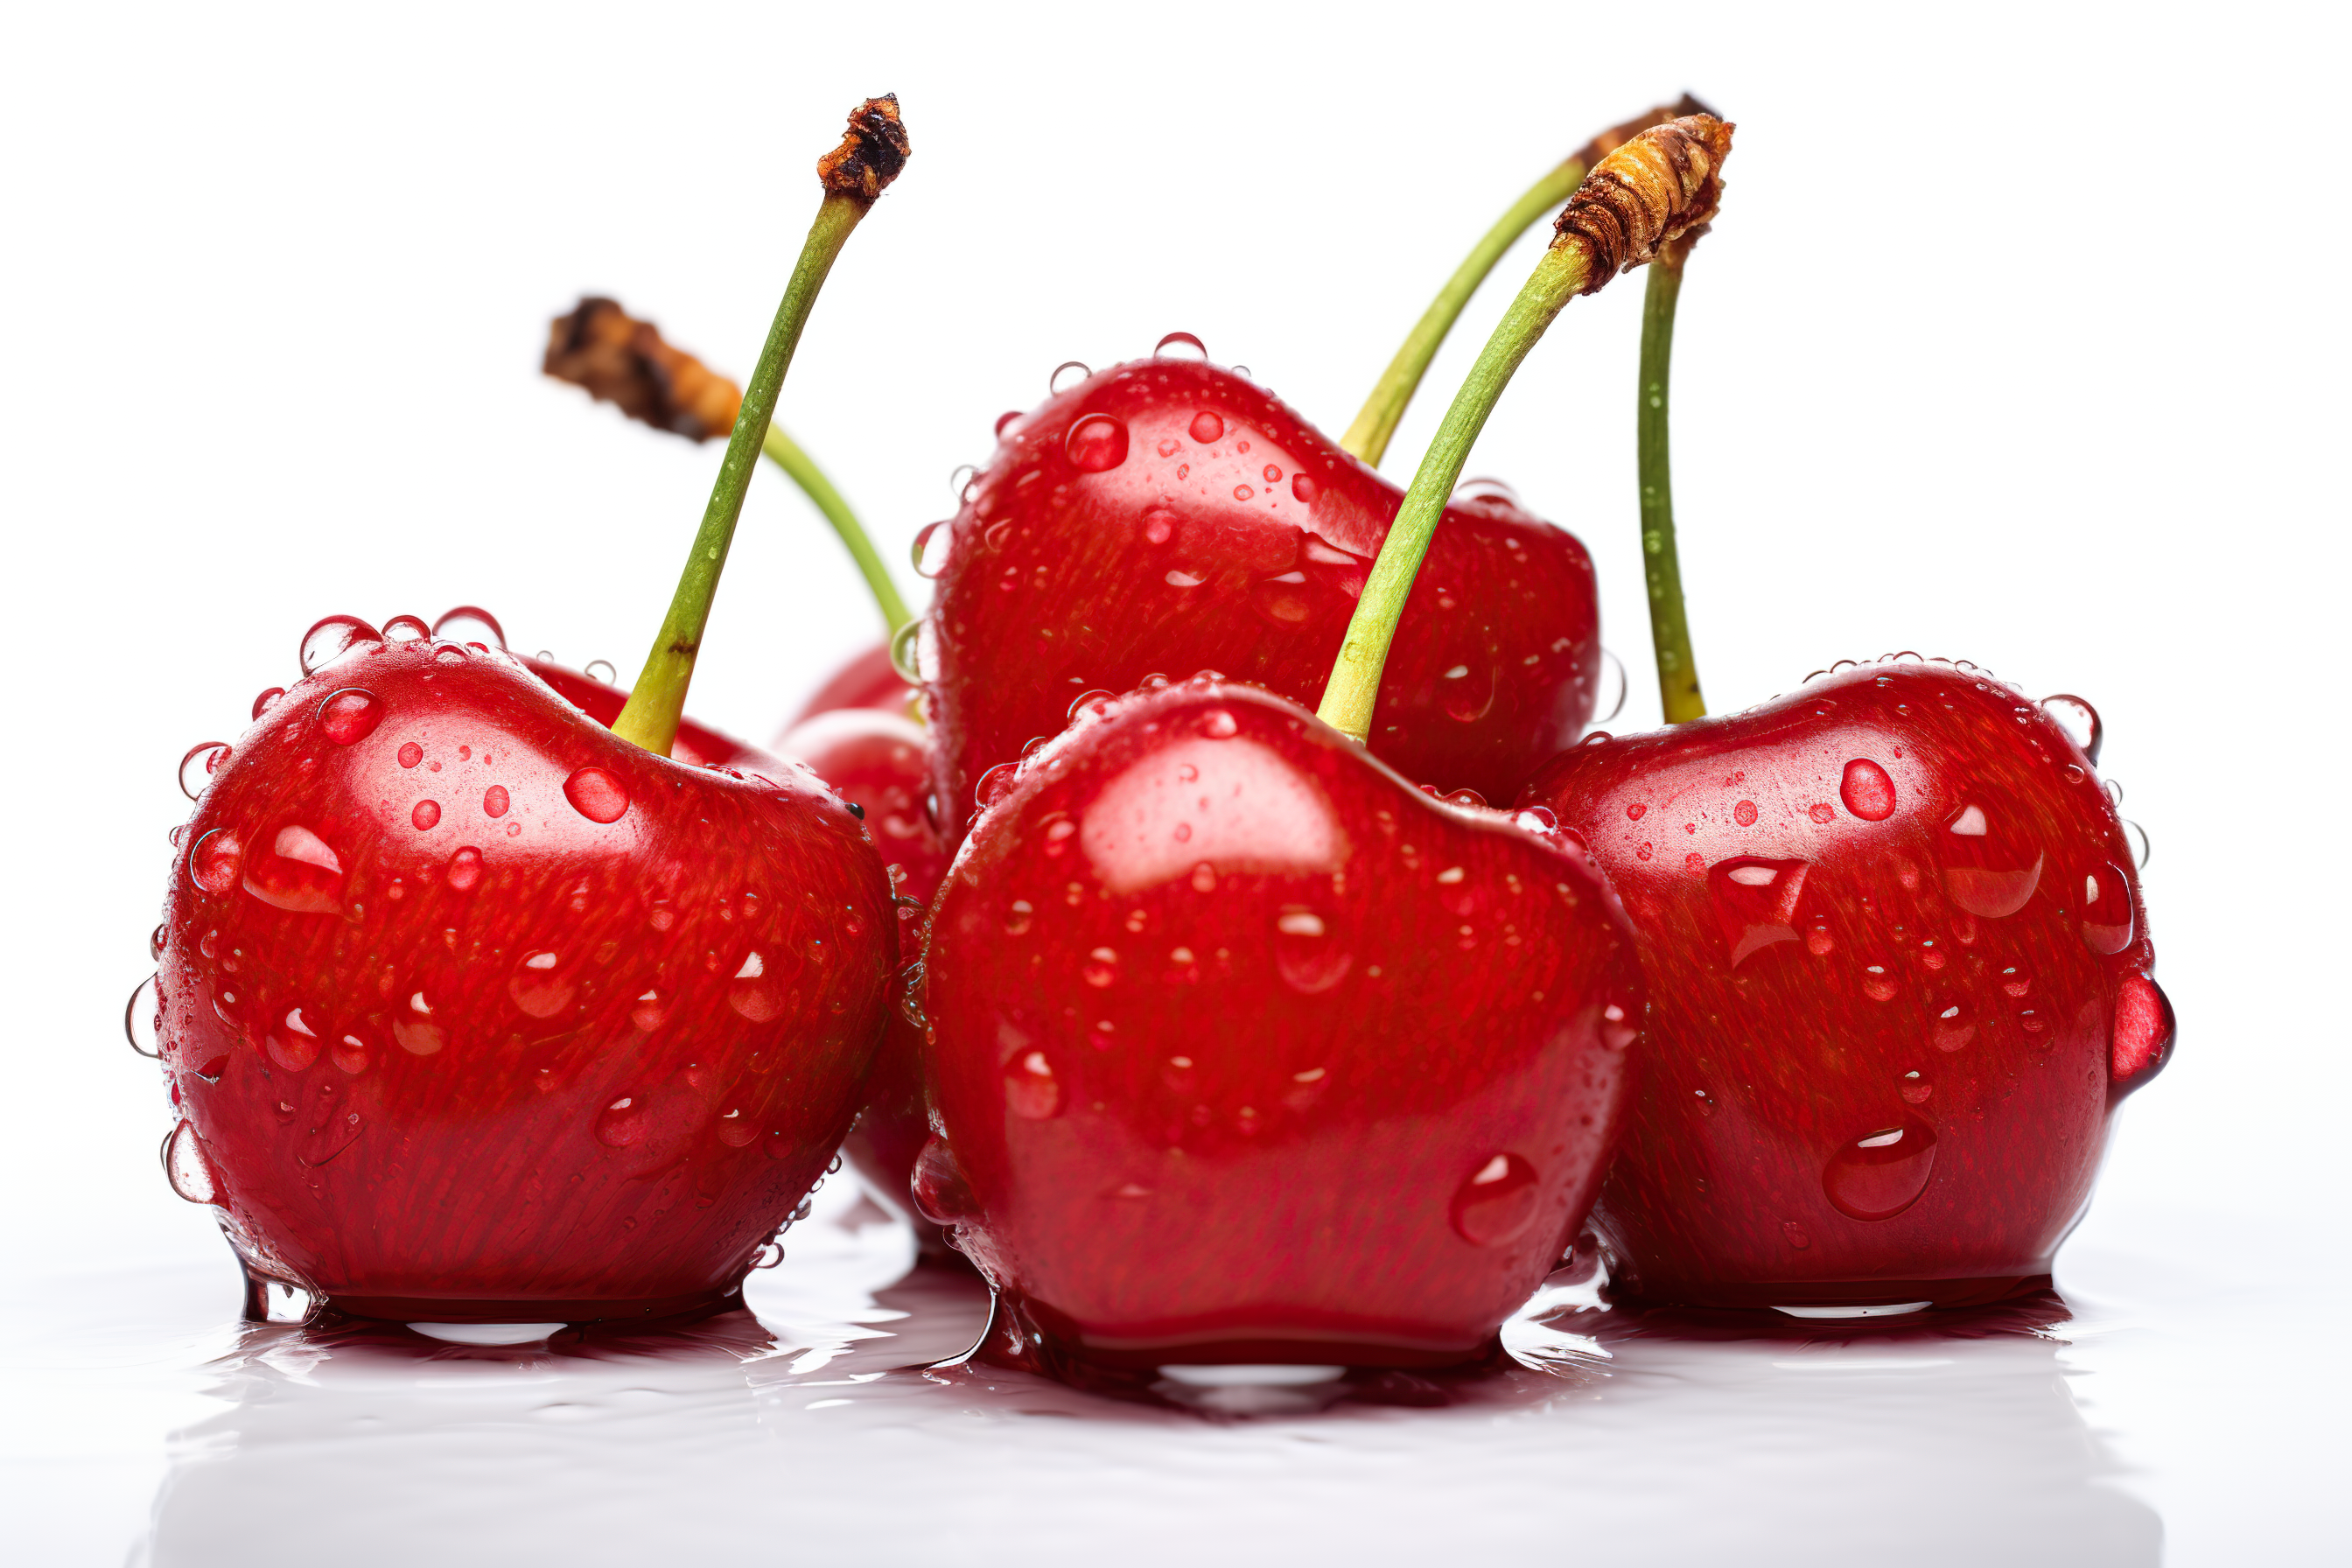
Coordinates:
column 1247, row 1050
column 471, row 1010
column 1898, row 963
column 697, row 745
column 869, row 680
column 881, row 760
column 1167, row 516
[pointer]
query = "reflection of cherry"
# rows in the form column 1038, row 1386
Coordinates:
column 473, row 1010
column 1169, row 516
column 1246, row 1050
column 1899, row 973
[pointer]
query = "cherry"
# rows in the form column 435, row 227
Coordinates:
column 472, row 1010
column 869, row 680
column 697, row 746
column 1899, row 977
column 881, row 761
column 1167, row 515
column 1244, row 1049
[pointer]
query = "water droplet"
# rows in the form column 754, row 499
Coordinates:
column 1309, row 959
column 596, row 794
column 2108, row 921
column 267, row 699
column 1914, row 1089
column 1497, row 1203
column 2137, row 836
column 465, row 869
column 1180, row 345
column 1795, row 1234
column 155, row 941
column 601, row 669
column 142, row 1018
column 197, row 767
column 405, row 628
column 1031, row 1090
column 2081, row 723
column 1466, row 691
column 1272, row 474
column 1820, row 811
column 2142, row 1040
column 537, row 985
column 942, row 1194
column 350, row 1055
column 334, row 636
column 1240, row 370
column 1883, row 1173
column 1952, row 1027
column 931, row 563
column 1003, row 419
column 621, row 1124
column 960, row 481
column 188, row 1167
column 1101, row 967
column 1610, row 700
column 754, row 992
column 1018, row 916
column 1242, row 492
column 1207, row 425
column 1744, row 814
column 1984, row 870
column 1096, row 443
column 906, row 652
column 1304, row 489
column 1492, row 491
column 470, row 623
column 426, row 814
column 995, row 784
column 1755, row 902
column 1067, row 374
column 1866, row 789
column 350, row 716
column 493, row 801
column 217, row 861
column 1218, row 724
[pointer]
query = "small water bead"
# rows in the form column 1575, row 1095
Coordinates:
column 1096, row 443
column 2142, row 1038
column 2081, row 723
column 350, row 716
column 1207, row 425
column 426, row 814
column 216, row 861
column 1914, row 1089
column 2107, row 921
column 1492, row 492
column 601, row 669
column 155, row 941
column 906, row 652
column 1066, row 374
column 1031, row 1090
column 1242, row 492
column 929, row 563
column 621, row 1124
column 495, row 801
column 1272, row 473
column 2137, row 836
column 1006, row 420
column 1881, row 1173
column 960, row 481
column 1241, row 370
column 197, row 767
column 597, row 794
column 1613, row 687
column 142, row 1018
column 187, row 1166
column 267, row 700
column 539, row 986
column 1866, row 789
column 470, row 623
column 942, row 1194
column 405, row 628
column 755, row 994
column 1304, row 489
column 1305, row 955
column 1180, row 345
column 465, row 870
column 1496, row 1203
column 332, row 637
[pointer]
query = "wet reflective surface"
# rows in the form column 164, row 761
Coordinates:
column 2144, row 1419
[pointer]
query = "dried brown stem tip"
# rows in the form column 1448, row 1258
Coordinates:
column 871, row 153
column 1660, row 187
column 1616, row 136
column 619, row 359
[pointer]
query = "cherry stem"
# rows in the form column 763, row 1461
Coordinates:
column 1368, row 437
column 1669, row 621
column 658, row 701
column 786, row 453
column 1354, row 682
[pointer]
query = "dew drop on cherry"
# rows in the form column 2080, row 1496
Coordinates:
column 1866, row 789
column 411, row 753
column 1207, row 425
column 1182, row 345
column 470, row 623
column 1304, row 489
column 142, row 1018
column 267, row 699
column 428, row 814
column 495, row 801
column 217, row 861
column 188, row 1167
column 332, row 637
column 2142, row 1038
column 350, row 716
column 1096, row 443
column 1031, row 1090
column 1881, row 1173
column 539, row 986
column 941, row 1192
column 197, row 767
column 1066, row 374
column 465, row 870
column 621, row 1124
column 1005, row 418
column 1496, row 1203
column 1306, row 954
column 929, row 563
column 2081, row 723
column 754, row 992
column 405, row 628
column 597, row 794
column 2107, row 923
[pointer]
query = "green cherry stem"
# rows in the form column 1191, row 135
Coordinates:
column 1355, row 682
column 1376, row 422
column 854, row 174
column 1669, row 621
column 786, row 453
column 1644, row 196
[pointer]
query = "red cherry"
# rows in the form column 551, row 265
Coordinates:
column 571, row 1046
column 1898, row 969
column 1218, row 529
column 1244, row 1049
column 882, row 763
column 869, row 680
column 697, row 746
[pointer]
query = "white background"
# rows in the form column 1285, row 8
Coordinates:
column 2019, row 340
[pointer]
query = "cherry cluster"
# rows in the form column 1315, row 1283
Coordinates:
column 1209, row 1026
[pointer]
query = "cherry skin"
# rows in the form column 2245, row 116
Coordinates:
column 881, row 761
column 869, row 680
column 1244, row 1049
column 1168, row 516
column 1899, row 970
column 697, row 745
column 473, row 1011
